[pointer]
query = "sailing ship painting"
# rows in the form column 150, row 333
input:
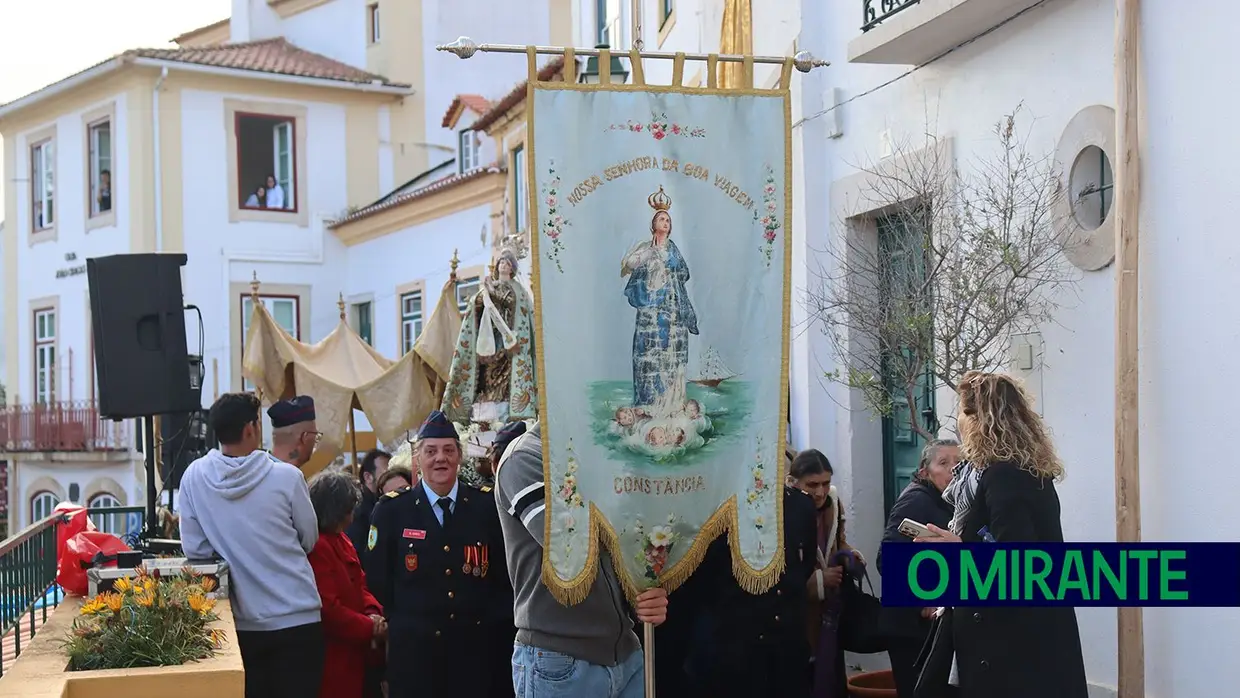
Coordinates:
column 713, row 370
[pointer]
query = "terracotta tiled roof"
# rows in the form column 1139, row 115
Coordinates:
column 276, row 56
column 517, row 95
column 475, row 103
column 432, row 188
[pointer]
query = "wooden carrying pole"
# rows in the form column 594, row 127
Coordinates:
column 1127, row 434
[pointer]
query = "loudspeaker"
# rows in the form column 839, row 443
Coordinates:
column 186, row 438
column 138, row 318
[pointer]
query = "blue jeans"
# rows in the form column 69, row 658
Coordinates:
column 538, row 673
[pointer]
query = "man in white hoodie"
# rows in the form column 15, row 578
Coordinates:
column 245, row 506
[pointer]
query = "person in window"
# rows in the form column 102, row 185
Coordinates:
column 104, row 197
column 275, row 193
column 1004, row 491
column 258, row 199
column 922, row 501
column 353, row 624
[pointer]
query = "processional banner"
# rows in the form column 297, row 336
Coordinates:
column 661, row 278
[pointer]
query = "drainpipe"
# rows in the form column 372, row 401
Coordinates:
column 159, row 184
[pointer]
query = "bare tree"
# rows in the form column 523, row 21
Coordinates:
column 962, row 261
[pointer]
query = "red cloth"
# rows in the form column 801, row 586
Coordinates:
column 347, row 606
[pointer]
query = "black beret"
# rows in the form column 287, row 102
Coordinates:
column 507, row 435
column 292, row 411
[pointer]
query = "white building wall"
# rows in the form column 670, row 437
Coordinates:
column 489, row 75
column 37, row 265
column 336, row 29
column 223, row 253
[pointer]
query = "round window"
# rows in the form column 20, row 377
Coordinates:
column 1092, row 187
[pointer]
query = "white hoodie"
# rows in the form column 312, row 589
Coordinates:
column 255, row 512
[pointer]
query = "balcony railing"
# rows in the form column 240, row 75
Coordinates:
column 875, row 12
column 27, row 584
column 60, row 426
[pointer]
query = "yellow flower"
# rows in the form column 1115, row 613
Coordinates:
column 148, row 584
column 93, row 606
column 145, row 598
column 217, row 637
column 201, row 604
column 122, row 585
column 207, row 584
column 113, row 601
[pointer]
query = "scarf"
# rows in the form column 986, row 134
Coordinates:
column 961, row 492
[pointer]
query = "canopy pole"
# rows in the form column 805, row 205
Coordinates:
column 357, row 464
column 1131, row 641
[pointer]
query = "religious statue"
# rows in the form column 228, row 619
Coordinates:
column 491, row 379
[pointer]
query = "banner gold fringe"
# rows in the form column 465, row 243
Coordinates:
column 601, row 532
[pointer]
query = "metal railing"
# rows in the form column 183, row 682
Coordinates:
column 875, row 12
column 27, row 584
column 125, row 523
column 60, row 426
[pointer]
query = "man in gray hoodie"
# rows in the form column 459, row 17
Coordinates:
column 583, row 651
column 243, row 505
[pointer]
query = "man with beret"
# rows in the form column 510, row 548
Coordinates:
column 293, row 434
column 506, row 435
column 435, row 560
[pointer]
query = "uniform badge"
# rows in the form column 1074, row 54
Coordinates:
column 481, row 569
column 372, row 539
column 469, row 560
column 414, row 533
column 411, row 562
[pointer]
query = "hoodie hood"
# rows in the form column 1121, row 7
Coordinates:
column 234, row 478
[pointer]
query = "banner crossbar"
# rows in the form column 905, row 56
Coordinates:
column 464, row 47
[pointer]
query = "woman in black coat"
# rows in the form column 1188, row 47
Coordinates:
column 922, row 501
column 1006, row 487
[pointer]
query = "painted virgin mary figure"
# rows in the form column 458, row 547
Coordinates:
column 492, row 374
column 657, row 274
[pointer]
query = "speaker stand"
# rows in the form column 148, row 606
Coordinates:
column 152, row 516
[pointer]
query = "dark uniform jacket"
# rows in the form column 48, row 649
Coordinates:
column 361, row 521
column 754, row 646
column 1017, row 652
column 445, row 592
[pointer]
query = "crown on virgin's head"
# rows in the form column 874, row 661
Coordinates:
column 659, row 201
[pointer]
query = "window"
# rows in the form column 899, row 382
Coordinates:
column 468, row 140
column 600, row 22
column 373, row 11
column 410, row 320
column 44, row 355
column 285, row 310
column 363, row 321
column 521, row 196
column 266, row 163
column 41, row 506
column 465, row 289
column 666, row 7
column 42, row 185
column 99, row 141
column 108, row 523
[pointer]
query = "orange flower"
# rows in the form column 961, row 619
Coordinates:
column 122, row 585
column 145, row 598
column 207, row 584
column 113, row 601
column 201, row 604
column 93, row 606
column 217, row 637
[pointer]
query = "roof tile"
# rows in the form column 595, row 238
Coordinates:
column 276, row 56
column 475, row 103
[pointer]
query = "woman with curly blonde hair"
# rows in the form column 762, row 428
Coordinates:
column 1004, row 491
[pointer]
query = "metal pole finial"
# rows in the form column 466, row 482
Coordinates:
column 254, row 284
column 340, row 304
column 463, row 47
column 453, row 264
column 804, row 61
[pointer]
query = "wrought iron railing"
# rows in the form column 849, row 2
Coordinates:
column 875, row 12
column 27, row 584
column 60, row 426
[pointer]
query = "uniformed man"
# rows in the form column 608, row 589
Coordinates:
column 754, row 646
column 435, row 561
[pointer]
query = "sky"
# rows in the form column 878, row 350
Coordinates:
column 44, row 41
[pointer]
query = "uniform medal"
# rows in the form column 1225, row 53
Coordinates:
column 485, row 563
column 467, row 567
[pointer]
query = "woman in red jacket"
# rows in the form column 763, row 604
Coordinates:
column 353, row 622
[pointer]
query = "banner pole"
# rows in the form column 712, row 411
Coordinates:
column 648, row 647
column 465, row 47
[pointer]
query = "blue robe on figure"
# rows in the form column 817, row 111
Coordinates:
column 665, row 319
